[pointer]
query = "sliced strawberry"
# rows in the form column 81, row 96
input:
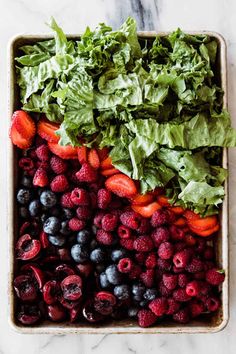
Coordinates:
column 190, row 215
column 121, row 185
column 180, row 222
column 177, row 210
column 110, row 172
column 106, row 164
column 103, row 153
column 205, row 233
column 47, row 129
column 64, row 152
column 142, row 199
column 17, row 138
column 82, row 154
column 203, row 223
column 24, row 124
column 163, row 200
column 93, row 159
column 146, row 210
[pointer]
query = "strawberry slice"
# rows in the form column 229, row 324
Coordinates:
column 205, row 233
column 106, row 164
column 142, row 199
column 24, row 124
column 190, row 215
column 64, row 152
column 47, row 129
column 82, row 154
column 93, row 159
column 103, row 153
column 110, row 172
column 178, row 210
column 146, row 210
column 203, row 224
column 180, row 222
column 17, row 138
column 121, row 185
column 163, row 200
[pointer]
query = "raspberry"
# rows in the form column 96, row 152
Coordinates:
column 135, row 272
column 109, row 222
column 83, row 212
column 144, row 226
column 165, row 250
column 161, row 234
column 179, row 246
column 182, row 316
column 196, row 308
column 80, row 196
column 140, row 257
column 76, row 225
column 43, row 152
column 104, row 237
column 159, row 218
column 176, row 233
column 58, row 165
column 195, row 266
column 66, row 201
column 164, row 264
column 59, row 184
column 182, row 258
column 130, row 219
column 170, row 281
column 127, row 243
column 148, row 278
column 26, row 163
column 40, row 178
column 44, row 164
column 146, row 318
column 215, row 276
column 71, row 174
column 125, row 265
column 183, row 280
column 180, row 295
column 103, row 198
column 163, row 290
column 193, row 288
column 151, row 261
column 173, row 306
column 177, row 270
column 143, row 244
column 212, row 304
column 208, row 253
column 158, row 306
column 86, row 173
column 124, row 232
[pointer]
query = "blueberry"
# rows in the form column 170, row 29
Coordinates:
column 34, row 207
column 57, row 240
column 150, row 294
column 83, row 236
column 67, row 213
column 79, row 253
column 64, row 230
column 133, row 311
column 24, row 213
column 122, row 292
column 97, row 255
column 118, row 254
column 48, row 199
column 138, row 290
column 104, row 283
column 23, row 196
column 52, row 225
column 26, row 181
column 113, row 275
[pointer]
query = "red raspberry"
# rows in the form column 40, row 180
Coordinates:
column 158, row 306
column 59, row 184
column 193, row 288
column 143, row 244
column 26, row 163
column 83, row 212
column 44, row 164
column 104, row 237
column 208, row 253
column 40, row 178
column 164, row 264
column 43, row 152
column 176, row 233
column 183, row 280
column 161, row 234
column 151, row 261
column 58, row 165
column 173, row 306
column 163, row 290
column 76, row 225
column 177, row 270
column 71, row 174
column 179, row 246
column 182, row 258
column 125, row 265
column 182, row 316
column 130, row 219
column 86, row 173
column 98, row 218
column 109, row 222
column 212, row 304
column 146, row 318
column 80, row 196
column 180, row 295
column 148, row 277
column 66, row 201
column 165, row 250
column 170, row 281
column 159, row 218
column 144, row 226
column 104, row 198
column 195, row 266
column 127, row 243
column 215, row 276
column 196, row 308
column 32, row 154
column 140, row 257
column 124, row 232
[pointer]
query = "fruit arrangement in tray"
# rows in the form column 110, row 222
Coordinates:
column 120, row 178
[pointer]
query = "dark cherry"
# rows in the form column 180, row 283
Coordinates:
column 104, row 302
column 29, row 315
column 85, row 269
column 68, row 304
column 56, row 313
column 75, row 313
column 36, row 272
column 44, row 239
column 90, row 314
column 31, row 228
column 25, row 288
column 64, row 254
column 27, row 248
column 51, row 291
column 64, row 270
column 72, row 287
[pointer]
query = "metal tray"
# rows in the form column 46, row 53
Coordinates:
column 211, row 324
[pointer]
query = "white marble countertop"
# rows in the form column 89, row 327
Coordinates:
column 30, row 16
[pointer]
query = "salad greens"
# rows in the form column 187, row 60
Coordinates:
column 156, row 103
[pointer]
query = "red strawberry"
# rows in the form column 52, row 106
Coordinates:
column 93, row 159
column 106, row 164
column 103, row 153
column 121, row 185
column 47, row 129
column 82, row 154
column 24, row 124
column 40, row 178
column 17, row 138
column 86, row 173
column 64, row 152
column 146, row 210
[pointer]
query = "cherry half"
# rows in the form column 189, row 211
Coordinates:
column 27, row 248
column 72, row 287
column 25, row 288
